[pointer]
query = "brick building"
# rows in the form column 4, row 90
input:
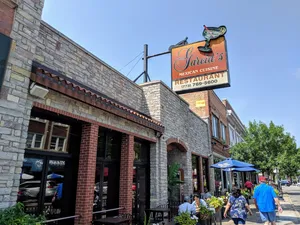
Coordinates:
column 69, row 120
column 236, row 131
column 221, row 119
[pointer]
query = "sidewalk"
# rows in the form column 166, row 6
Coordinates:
column 288, row 216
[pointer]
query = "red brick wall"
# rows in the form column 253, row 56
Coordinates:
column 6, row 18
column 86, row 173
column 218, row 109
column 192, row 98
column 213, row 105
column 126, row 173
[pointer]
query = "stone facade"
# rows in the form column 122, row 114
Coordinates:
column 34, row 40
column 14, row 110
column 62, row 54
column 181, row 124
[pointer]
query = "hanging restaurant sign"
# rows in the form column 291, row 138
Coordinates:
column 5, row 43
column 202, row 65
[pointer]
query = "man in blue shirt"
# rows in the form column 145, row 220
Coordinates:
column 187, row 206
column 264, row 200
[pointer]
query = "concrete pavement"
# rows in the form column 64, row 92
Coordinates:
column 290, row 204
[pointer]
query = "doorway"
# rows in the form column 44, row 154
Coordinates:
column 141, row 181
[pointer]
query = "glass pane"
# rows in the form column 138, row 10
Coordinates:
column 101, row 144
column 205, row 173
column 30, row 183
column 137, row 151
column 54, row 192
column 196, row 173
column 38, row 140
column 113, row 148
column 29, row 140
column 53, row 143
column 61, row 142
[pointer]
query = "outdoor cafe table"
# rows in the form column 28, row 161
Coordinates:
column 158, row 210
column 112, row 220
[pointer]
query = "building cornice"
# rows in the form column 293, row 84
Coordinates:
column 10, row 3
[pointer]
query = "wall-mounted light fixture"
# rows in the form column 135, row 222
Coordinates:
column 38, row 91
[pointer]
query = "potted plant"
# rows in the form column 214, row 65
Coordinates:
column 215, row 202
column 185, row 219
column 173, row 181
column 204, row 214
column 15, row 215
column 246, row 193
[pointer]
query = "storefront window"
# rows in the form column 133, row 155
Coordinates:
column 106, row 190
column 205, row 173
column 196, row 173
column 141, row 181
column 140, row 153
column 45, row 134
column 218, row 176
column 215, row 127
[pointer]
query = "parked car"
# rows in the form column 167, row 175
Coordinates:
column 31, row 190
column 285, row 183
column 298, row 184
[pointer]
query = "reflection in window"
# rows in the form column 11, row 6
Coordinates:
column 218, row 176
column 57, row 144
column 215, row 126
column 59, row 135
column 196, row 173
column 223, row 132
column 30, row 182
column 141, row 152
column 34, row 140
column 109, row 144
column 205, row 173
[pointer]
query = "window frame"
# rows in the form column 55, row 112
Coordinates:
column 57, row 142
column 58, row 137
column 43, row 140
column 215, row 129
column 223, row 131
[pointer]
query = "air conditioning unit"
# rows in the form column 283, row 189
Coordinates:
column 38, row 91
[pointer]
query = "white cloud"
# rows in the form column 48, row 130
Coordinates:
column 297, row 73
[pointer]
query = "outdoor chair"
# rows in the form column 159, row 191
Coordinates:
column 127, row 216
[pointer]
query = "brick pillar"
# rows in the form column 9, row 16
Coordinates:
column 126, row 173
column 86, row 173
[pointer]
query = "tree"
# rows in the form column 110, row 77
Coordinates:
column 267, row 147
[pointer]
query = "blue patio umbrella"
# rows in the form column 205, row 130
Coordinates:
column 242, row 169
column 230, row 163
column 54, row 176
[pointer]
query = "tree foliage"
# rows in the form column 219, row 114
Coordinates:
column 268, row 147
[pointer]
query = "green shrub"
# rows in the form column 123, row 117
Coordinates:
column 185, row 219
column 15, row 215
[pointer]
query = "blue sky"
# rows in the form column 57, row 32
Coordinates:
column 262, row 40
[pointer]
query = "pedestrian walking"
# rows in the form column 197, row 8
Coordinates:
column 265, row 199
column 248, row 184
column 238, row 207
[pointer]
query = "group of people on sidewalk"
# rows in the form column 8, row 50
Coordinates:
column 265, row 200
